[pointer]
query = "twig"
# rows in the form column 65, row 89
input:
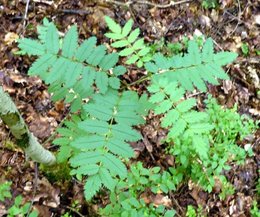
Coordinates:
column 55, row 133
column 176, row 203
column 34, row 188
column 26, row 13
column 128, row 3
column 75, row 211
column 74, row 11
column 239, row 17
column 44, row 2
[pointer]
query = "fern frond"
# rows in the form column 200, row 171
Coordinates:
column 131, row 47
column 194, row 68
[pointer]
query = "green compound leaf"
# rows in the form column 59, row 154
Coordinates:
column 131, row 47
column 74, row 72
column 194, row 68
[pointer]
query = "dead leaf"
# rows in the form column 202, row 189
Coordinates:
column 10, row 37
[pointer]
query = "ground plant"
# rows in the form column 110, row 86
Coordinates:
column 105, row 113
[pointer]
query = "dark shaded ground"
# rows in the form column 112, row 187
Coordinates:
column 233, row 23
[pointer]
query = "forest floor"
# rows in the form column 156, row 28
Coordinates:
column 234, row 26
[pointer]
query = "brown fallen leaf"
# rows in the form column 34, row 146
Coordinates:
column 10, row 37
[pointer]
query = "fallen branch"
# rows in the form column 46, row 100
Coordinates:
column 25, row 139
column 161, row 6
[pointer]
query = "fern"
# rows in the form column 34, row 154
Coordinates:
column 194, row 68
column 132, row 47
column 71, row 69
column 179, row 116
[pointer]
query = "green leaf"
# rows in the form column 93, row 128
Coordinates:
column 90, row 142
column 121, row 43
column 119, row 70
column 31, row 47
column 52, row 39
column 186, row 105
column 76, row 104
column 56, row 72
column 157, row 97
column 85, row 49
column 151, row 67
column 163, row 107
column 92, row 185
column 178, row 129
column 132, row 59
column 42, row 64
column 102, row 113
column 127, row 27
column 115, row 165
column 133, row 36
column 126, row 51
column 138, row 44
column 125, row 132
column 106, row 179
column 207, row 51
column 94, row 126
column 109, row 61
column 102, row 81
column 114, row 82
column 73, row 73
column 96, row 55
column 170, row 213
column 194, row 52
column 201, row 146
column 84, row 158
column 120, row 148
column 223, row 58
column 88, row 169
column 144, row 51
column 70, row 42
column 128, row 117
column 112, row 25
column 171, row 117
column 114, row 36
column 89, row 76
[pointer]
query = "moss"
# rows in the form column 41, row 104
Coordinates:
column 57, row 172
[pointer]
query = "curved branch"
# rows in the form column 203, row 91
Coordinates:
column 25, row 139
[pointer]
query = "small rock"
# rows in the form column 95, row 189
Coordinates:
column 205, row 21
column 244, row 35
column 257, row 19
